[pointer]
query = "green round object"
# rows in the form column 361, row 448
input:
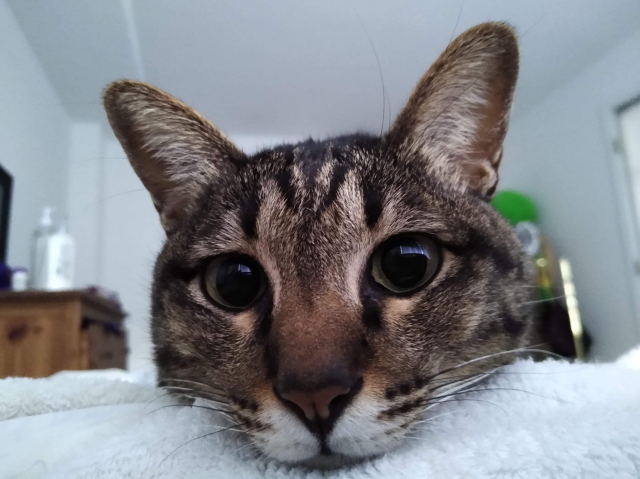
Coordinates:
column 515, row 206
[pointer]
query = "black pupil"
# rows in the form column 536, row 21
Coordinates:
column 238, row 282
column 405, row 264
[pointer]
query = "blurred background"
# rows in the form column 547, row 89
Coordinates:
column 267, row 72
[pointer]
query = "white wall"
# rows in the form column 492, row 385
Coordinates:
column 560, row 155
column 84, row 193
column 33, row 136
column 116, row 227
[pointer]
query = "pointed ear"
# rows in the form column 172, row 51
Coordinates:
column 174, row 150
column 457, row 116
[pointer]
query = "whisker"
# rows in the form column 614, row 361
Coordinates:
column 456, row 25
column 262, row 458
column 251, row 443
column 227, row 414
column 191, row 406
column 384, row 90
column 534, row 24
column 216, row 390
column 451, row 379
column 494, row 389
column 493, row 355
column 546, row 300
column 436, row 417
column 155, row 399
column 466, row 399
column 196, row 393
column 456, row 386
column 497, row 373
column 105, row 198
column 199, row 437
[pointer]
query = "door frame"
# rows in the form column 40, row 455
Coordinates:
column 628, row 219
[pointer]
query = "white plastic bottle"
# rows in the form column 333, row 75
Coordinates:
column 53, row 261
column 61, row 259
column 39, row 254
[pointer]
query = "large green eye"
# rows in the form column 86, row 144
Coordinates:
column 406, row 262
column 234, row 281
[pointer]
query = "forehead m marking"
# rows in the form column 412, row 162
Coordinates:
column 249, row 215
column 373, row 203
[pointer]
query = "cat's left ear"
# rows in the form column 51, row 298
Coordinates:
column 457, row 116
column 175, row 151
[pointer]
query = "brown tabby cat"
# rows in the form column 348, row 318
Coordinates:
column 319, row 292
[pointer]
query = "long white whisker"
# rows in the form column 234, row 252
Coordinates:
column 546, row 300
column 195, row 394
column 429, row 419
column 469, row 400
column 500, row 353
column 212, row 388
column 465, row 383
column 251, row 443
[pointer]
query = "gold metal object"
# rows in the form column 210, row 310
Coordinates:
column 572, row 307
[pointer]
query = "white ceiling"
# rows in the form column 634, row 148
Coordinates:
column 299, row 67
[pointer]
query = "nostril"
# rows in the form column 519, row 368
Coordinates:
column 338, row 404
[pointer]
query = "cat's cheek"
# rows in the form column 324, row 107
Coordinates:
column 395, row 310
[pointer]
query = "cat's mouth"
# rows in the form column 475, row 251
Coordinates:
column 361, row 432
column 332, row 460
column 321, row 425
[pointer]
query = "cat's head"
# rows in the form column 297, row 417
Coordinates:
column 318, row 290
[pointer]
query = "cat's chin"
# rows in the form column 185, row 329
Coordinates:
column 331, row 461
column 324, row 461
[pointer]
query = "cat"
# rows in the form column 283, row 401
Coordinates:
column 322, row 293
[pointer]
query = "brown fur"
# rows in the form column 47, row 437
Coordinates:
column 312, row 215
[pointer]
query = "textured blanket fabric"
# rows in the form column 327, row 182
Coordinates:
column 532, row 420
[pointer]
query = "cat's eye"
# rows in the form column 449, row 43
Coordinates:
column 405, row 263
column 234, row 281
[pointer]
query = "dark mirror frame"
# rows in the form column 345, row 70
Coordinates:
column 6, row 186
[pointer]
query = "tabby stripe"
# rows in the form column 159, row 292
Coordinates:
column 339, row 174
column 511, row 326
column 481, row 246
column 249, row 216
column 265, row 319
column 372, row 204
column 283, row 180
column 371, row 313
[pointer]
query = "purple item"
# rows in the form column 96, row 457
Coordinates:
column 5, row 277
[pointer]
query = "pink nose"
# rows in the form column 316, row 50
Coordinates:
column 316, row 403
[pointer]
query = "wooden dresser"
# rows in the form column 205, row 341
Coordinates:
column 42, row 333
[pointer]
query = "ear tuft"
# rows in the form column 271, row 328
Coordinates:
column 457, row 116
column 174, row 150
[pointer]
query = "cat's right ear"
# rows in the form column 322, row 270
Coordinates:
column 457, row 116
column 174, row 150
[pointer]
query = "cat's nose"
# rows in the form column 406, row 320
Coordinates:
column 319, row 405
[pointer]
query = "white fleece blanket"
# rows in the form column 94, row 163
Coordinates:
column 566, row 421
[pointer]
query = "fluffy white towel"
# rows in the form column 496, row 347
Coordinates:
column 538, row 420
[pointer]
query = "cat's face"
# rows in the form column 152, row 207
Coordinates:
column 318, row 290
